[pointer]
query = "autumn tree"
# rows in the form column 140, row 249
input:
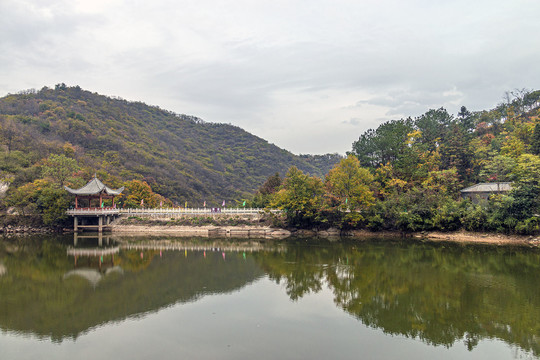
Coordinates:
column 263, row 196
column 498, row 169
column 348, row 185
column 386, row 183
column 443, row 183
column 140, row 193
column 300, row 197
column 348, row 192
column 526, row 188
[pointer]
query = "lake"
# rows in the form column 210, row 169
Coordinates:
column 165, row 298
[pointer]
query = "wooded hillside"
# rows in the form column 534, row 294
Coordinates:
column 181, row 157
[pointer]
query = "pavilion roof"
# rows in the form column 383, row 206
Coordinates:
column 94, row 187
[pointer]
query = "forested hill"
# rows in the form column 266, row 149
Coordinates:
column 180, row 156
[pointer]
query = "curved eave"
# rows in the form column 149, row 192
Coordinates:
column 105, row 190
column 114, row 192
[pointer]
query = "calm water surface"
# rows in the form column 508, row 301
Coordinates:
column 243, row 299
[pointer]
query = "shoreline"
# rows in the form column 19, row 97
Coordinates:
column 267, row 232
column 458, row 237
column 244, row 231
column 463, row 237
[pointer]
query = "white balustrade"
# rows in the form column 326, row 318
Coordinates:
column 165, row 211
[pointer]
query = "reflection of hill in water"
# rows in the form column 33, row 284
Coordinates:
column 35, row 298
column 440, row 294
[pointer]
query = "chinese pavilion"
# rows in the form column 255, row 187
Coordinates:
column 92, row 192
column 95, row 189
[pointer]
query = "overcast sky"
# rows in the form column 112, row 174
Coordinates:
column 309, row 76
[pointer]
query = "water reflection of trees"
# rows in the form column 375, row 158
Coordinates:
column 441, row 294
column 36, row 297
column 437, row 293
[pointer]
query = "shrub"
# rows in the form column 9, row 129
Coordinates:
column 474, row 218
column 448, row 216
column 528, row 226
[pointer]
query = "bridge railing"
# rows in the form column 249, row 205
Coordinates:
column 165, row 211
column 195, row 211
column 93, row 211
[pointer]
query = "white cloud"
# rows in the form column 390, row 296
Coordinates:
column 308, row 76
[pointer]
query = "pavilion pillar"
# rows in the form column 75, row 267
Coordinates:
column 75, row 223
column 100, row 224
column 76, row 201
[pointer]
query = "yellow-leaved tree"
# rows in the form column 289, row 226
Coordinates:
column 300, row 197
column 348, row 189
column 140, row 194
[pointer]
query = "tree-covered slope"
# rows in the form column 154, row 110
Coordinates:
column 180, row 156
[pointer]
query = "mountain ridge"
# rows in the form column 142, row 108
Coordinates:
column 181, row 156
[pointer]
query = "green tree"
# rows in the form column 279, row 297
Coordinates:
column 52, row 202
column 60, row 168
column 455, row 151
column 386, row 144
column 22, row 198
column 498, row 169
column 43, row 198
column 300, row 197
column 434, row 126
column 535, row 146
column 420, row 159
column 465, row 119
column 526, row 190
column 527, row 169
column 8, row 130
